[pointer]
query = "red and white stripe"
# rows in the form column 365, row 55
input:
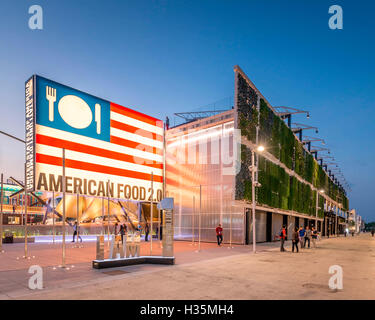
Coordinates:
column 134, row 152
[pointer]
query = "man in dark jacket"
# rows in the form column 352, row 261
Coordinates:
column 147, row 231
column 295, row 239
column 307, row 237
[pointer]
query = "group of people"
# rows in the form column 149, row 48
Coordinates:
column 300, row 236
column 122, row 230
column 146, row 229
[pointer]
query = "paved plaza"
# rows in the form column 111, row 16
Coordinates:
column 212, row 273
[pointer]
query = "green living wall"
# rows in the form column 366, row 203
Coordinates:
column 278, row 189
column 282, row 143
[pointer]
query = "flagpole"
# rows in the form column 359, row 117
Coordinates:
column 25, row 226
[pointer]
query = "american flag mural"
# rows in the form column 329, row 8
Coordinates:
column 110, row 150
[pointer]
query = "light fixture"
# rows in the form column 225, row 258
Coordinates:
column 260, row 149
column 321, row 191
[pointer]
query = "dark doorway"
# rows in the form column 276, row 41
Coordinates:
column 247, row 225
column 296, row 224
column 285, row 221
column 306, row 223
column 269, row 227
column 285, row 224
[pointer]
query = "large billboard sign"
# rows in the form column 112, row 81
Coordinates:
column 110, row 150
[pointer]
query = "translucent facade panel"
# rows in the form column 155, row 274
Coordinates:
column 202, row 188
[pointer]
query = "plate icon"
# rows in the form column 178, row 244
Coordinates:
column 75, row 111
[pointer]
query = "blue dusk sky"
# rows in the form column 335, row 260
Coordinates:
column 161, row 57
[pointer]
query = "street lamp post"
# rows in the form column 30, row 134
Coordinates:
column 253, row 196
column 316, row 210
column 254, row 169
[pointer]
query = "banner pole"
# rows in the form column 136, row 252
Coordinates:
column 152, row 209
column 103, row 230
column 63, row 209
column 193, row 226
column 230, row 238
column 53, row 216
column 200, row 212
column 159, row 228
column 108, row 217
column 77, row 220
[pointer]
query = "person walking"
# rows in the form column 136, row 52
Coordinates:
column 147, row 231
column 219, row 234
column 123, row 230
column 295, row 239
column 282, row 239
column 314, row 236
column 76, row 232
column 115, row 230
column 301, row 232
column 307, row 237
column 372, row 232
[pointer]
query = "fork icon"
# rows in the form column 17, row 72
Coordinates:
column 51, row 97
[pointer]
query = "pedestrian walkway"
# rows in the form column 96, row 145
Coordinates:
column 14, row 268
column 269, row 274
